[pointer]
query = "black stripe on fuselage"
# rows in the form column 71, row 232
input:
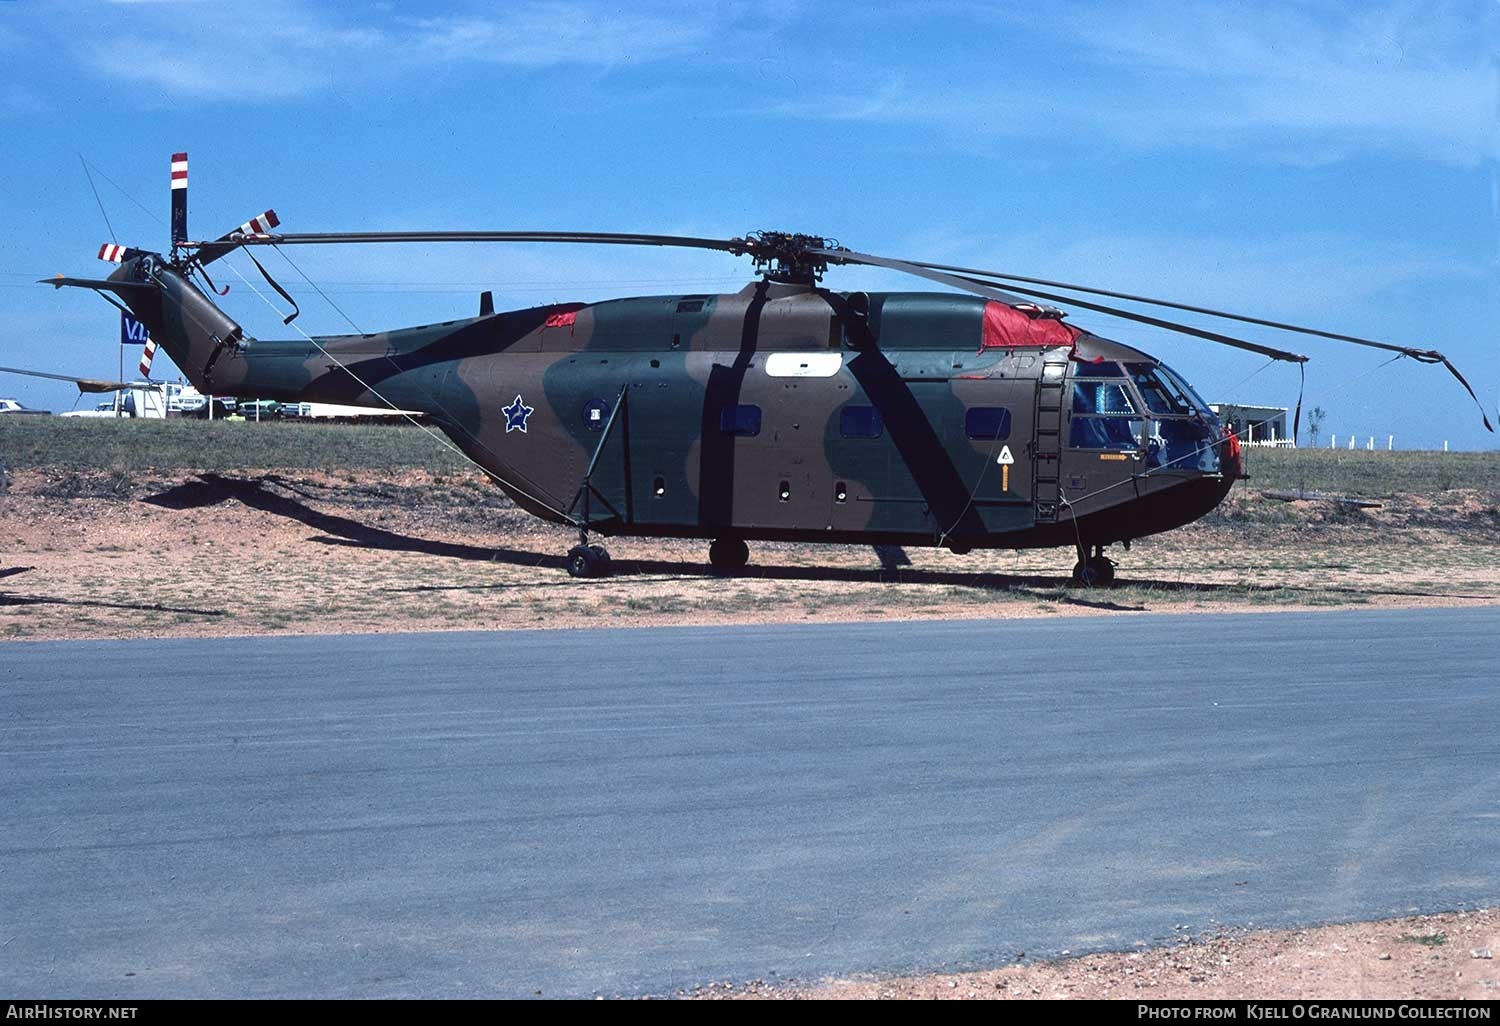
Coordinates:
column 716, row 453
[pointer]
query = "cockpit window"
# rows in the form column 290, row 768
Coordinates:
column 1104, row 416
column 1165, row 392
column 1186, row 389
column 1104, row 397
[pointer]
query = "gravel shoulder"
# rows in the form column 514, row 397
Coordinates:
column 1432, row 957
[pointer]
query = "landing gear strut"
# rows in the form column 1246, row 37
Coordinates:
column 585, row 560
column 728, row 556
column 1094, row 571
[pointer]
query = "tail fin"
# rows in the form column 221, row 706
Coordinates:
column 183, row 321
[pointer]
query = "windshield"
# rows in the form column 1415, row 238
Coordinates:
column 1165, row 392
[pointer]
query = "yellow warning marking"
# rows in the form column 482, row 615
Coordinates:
column 1005, row 479
column 1113, row 456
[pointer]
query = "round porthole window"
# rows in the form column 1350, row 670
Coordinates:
column 596, row 414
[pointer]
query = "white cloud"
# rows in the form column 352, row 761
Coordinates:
column 285, row 49
column 545, row 34
column 1292, row 83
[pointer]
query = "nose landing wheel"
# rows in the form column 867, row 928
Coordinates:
column 1094, row 571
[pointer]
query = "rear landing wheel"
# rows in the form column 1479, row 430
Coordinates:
column 1095, row 572
column 728, row 555
column 601, row 560
column 588, row 561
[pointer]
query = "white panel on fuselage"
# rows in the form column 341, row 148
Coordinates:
column 804, row 365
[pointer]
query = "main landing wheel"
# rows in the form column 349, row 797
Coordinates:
column 1095, row 572
column 588, row 561
column 728, row 555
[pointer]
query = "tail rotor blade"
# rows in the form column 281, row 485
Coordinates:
column 256, row 229
column 146, row 357
column 179, row 199
column 113, row 253
column 261, row 224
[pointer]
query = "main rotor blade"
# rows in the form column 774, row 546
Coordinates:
column 736, row 246
column 982, row 288
column 848, row 256
column 1425, row 354
column 1421, row 355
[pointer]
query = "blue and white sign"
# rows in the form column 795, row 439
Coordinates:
column 132, row 331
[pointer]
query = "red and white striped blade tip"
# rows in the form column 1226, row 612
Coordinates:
column 146, row 356
column 111, row 252
column 179, row 170
column 260, row 225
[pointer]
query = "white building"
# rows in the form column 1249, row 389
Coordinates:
column 1256, row 425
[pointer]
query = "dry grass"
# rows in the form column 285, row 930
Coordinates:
column 115, row 554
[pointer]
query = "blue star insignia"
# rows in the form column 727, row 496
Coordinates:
column 516, row 414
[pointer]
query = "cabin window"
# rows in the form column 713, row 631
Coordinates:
column 690, row 306
column 740, row 420
column 987, row 423
column 860, row 422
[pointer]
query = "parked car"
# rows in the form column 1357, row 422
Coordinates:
column 104, row 409
column 257, row 409
column 12, row 406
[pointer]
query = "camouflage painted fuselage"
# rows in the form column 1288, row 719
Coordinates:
column 778, row 412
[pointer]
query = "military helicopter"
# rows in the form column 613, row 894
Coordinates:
column 785, row 411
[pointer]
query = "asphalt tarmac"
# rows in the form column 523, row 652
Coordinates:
column 565, row 813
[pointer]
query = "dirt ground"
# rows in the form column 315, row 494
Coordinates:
column 181, row 554
column 102, row 555
column 1448, row 956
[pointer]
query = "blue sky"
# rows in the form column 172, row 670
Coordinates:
column 1328, row 164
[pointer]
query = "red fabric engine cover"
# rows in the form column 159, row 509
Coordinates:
column 1007, row 327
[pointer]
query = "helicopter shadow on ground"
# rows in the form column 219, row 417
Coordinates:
column 212, row 489
column 144, row 607
column 8, row 599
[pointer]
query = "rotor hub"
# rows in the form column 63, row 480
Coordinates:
column 789, row 257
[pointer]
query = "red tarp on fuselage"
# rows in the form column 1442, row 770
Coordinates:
column 1007, row 327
